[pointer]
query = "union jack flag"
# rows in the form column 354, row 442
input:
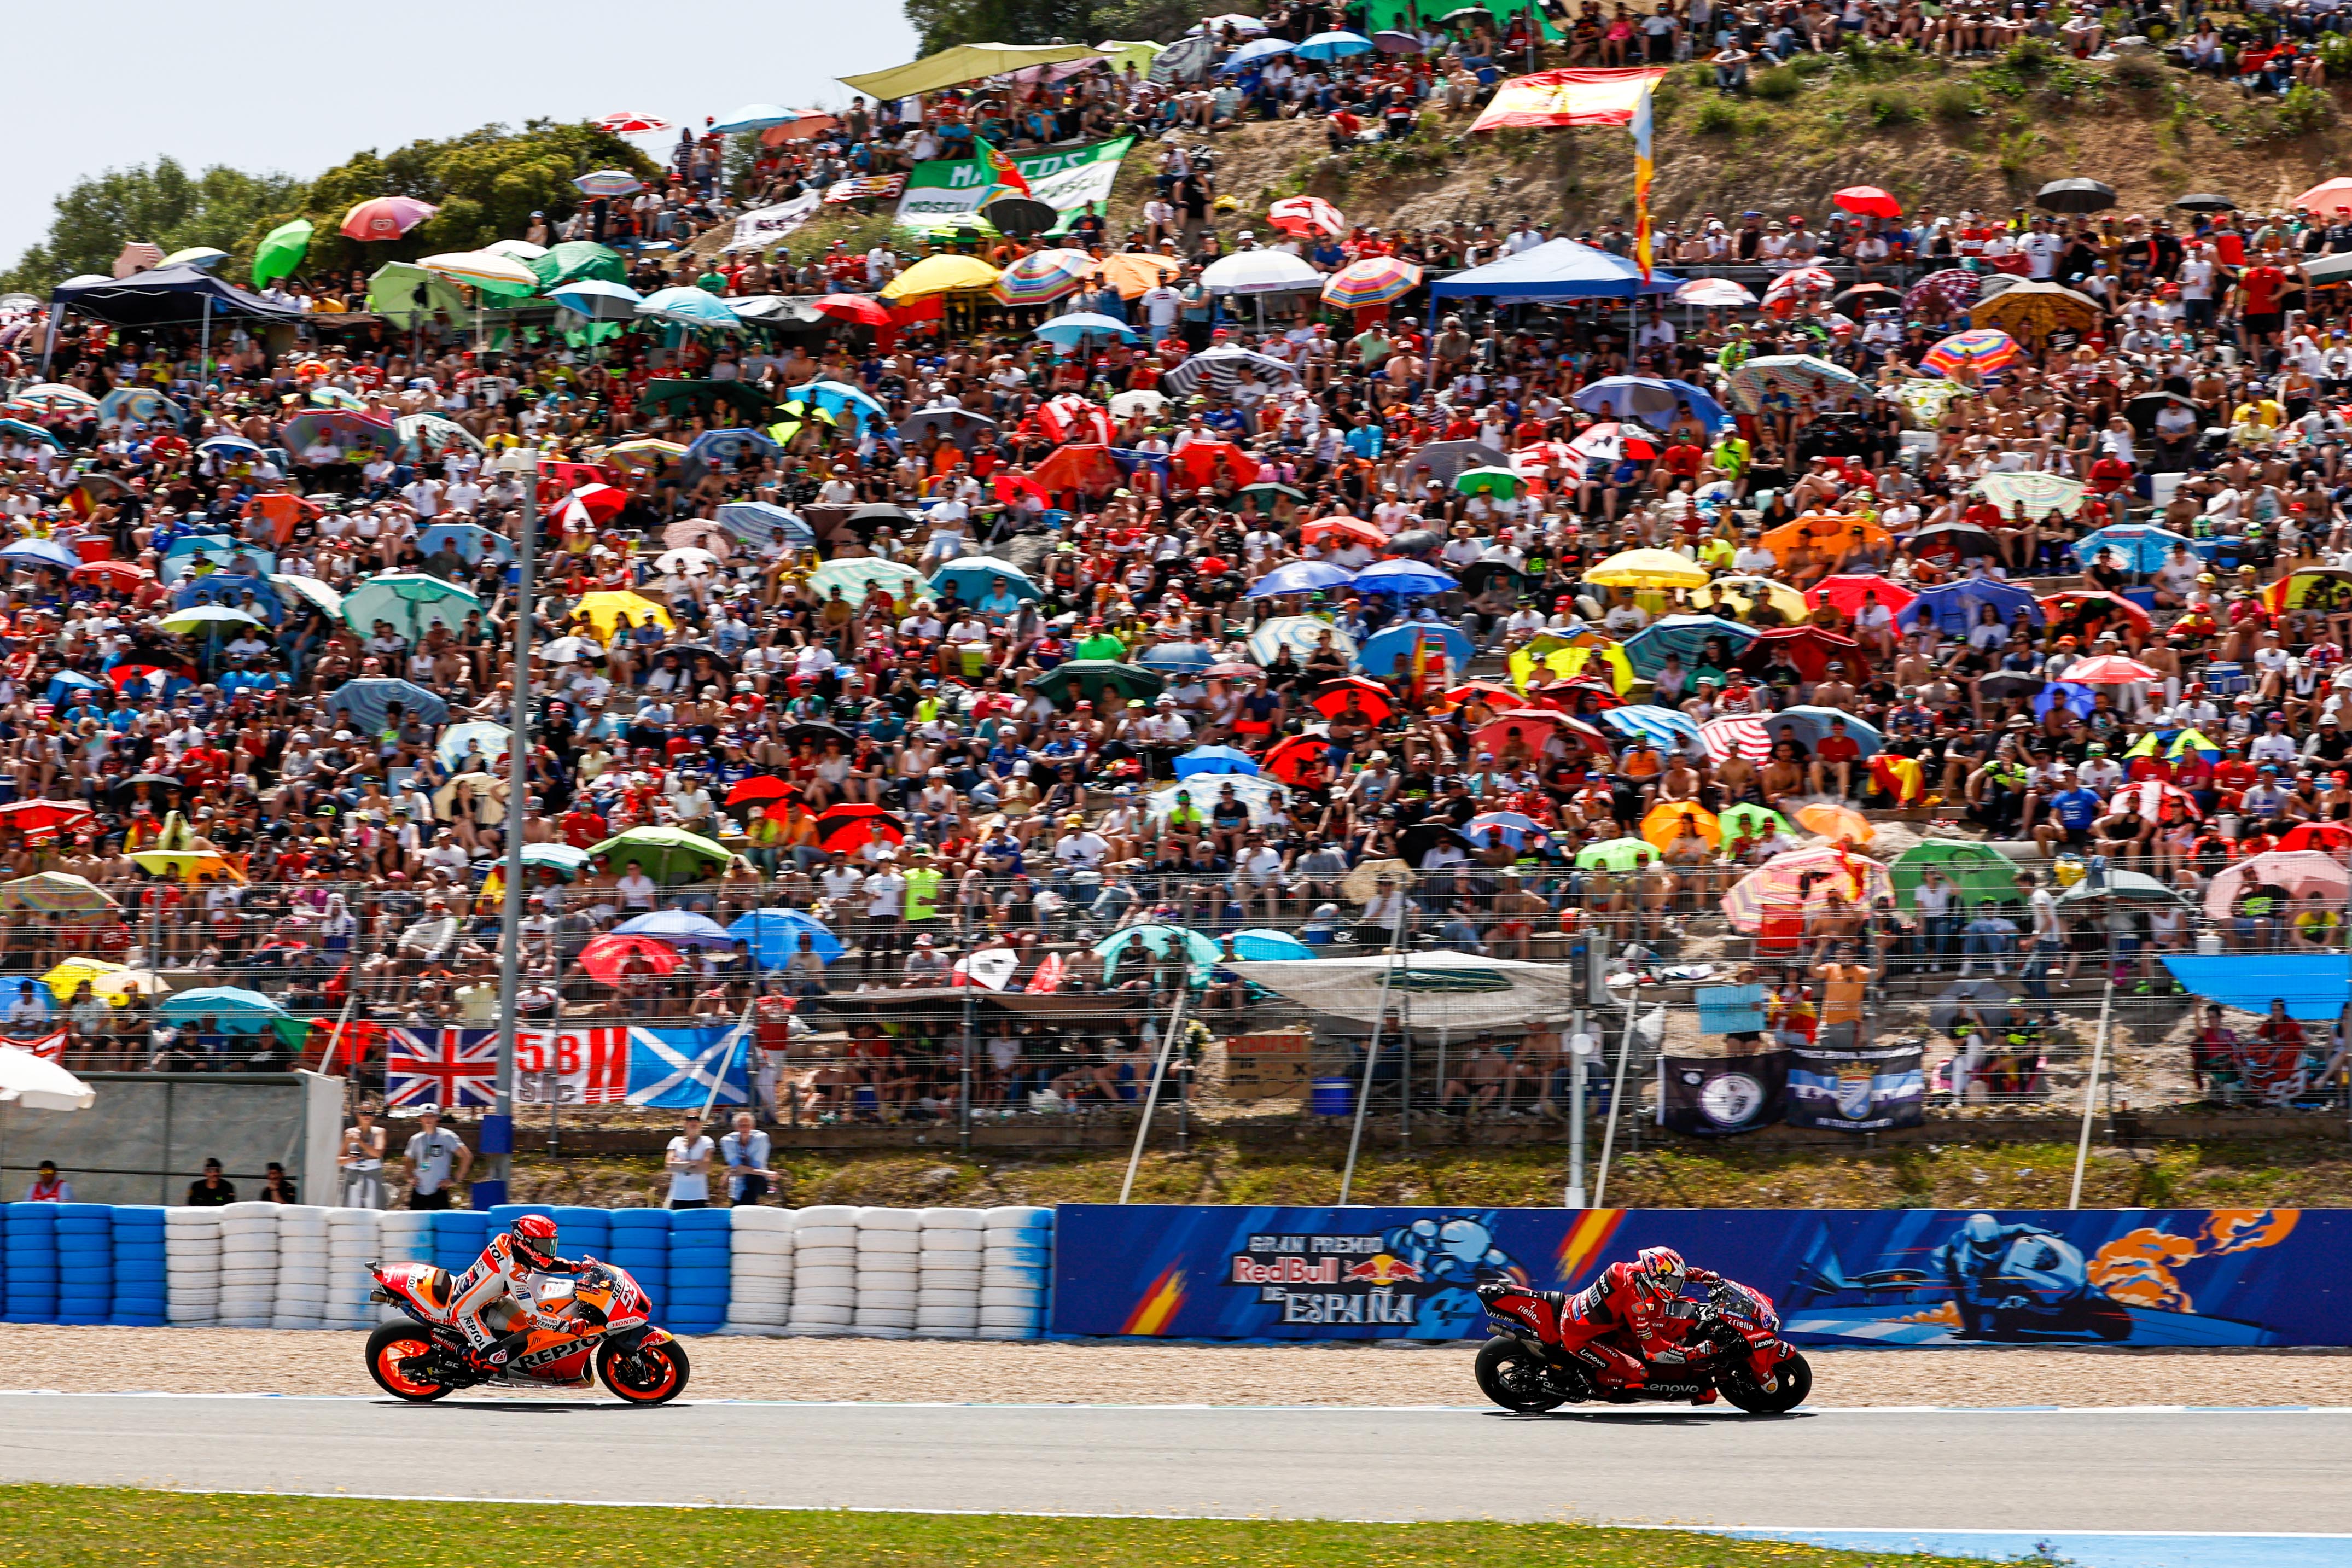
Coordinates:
column 865, row 188
column 451, row 1068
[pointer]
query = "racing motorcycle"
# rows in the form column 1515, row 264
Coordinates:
column 601, row 1328
column 1538, row 1362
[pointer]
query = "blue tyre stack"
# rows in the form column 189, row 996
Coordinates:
column 458, row 1238
column 583, row 1232
column 701, row 1258
column 85, row 1263
column 141, row 1298
column 641, row 1245
column 503, row 1215
column 31, row 1254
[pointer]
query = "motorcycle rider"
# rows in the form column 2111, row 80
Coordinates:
column 1985, row 1268
column 1638, row 1297
column 504, row 1269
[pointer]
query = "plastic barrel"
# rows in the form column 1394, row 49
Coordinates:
column 1332, row 1097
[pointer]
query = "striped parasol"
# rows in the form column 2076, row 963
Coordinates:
column 1924, row 401
column 1739, row 735
column 1986, row 350
column 626, row 124
column 1804, row 878
column 1794, row 373
column 1375, row 280
column 484, row 270
column 1713, row 294
column 1804, row 280
column 609, row 182
column 1042, row 278
column 1941, row 293
column 1307, row 215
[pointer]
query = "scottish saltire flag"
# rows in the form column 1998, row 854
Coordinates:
column 452, row 1068
column 675, row 1068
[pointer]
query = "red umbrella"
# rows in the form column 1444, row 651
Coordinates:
column 602, row 502
column 123, row 576
column 1289, row 759
column 1361, row 532
column 853, row 308
column 603, row 956
column 2109, row 670
column 1869, row 202
column 850, row 827
column 41, row 820
column 1078, row 468
column 761, row 788
column 123, row 676
column 558, row 479
column 1849, row 593
column 1199, row 462
column 2328, row 838
column 1373, row 700
column 1497, row 694
column 2094, row 607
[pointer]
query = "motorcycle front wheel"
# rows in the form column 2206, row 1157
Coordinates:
column 1512, row 1377
column 653, row 1375
column 1792, row 1385
column 388, row 1348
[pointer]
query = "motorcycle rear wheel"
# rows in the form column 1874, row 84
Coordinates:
column 1792, row 1386
column 390, row 1345
column 1512, row 1377
column 653, row 1375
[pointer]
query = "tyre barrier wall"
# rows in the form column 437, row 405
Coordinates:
column 894, row 1273
column 2169, row 1277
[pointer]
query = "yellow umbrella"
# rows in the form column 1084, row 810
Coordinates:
column 1663, row 823
column 645, row 452
column 941, row 273
column 1740, row 594
column 1648, row 569
column 2032, row 309
column 605, row 611
column 185, row 864
column 1568, row 660
column 1835, row 822
column 74, row 972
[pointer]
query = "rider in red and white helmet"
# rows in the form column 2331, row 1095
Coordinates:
column 504, row 1269
column 1639, row 1296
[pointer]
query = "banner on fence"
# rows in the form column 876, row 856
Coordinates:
column 1857, row 1090
column 458, row 1068
column 1901, row 1277
column 1715, row 1095
column 1070, row 180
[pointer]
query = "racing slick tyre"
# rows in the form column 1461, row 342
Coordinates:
column 1511, row 1375
column 653, row 1375
column 1790, row 1388
column 387, row 1348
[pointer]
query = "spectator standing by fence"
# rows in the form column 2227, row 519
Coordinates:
column 689, row 1163
column 363, row 1162
column 745, row 1151
column 434, row 1157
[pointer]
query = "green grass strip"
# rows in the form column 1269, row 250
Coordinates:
column 46, row 1525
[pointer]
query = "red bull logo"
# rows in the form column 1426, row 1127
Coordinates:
column 1383, row 1269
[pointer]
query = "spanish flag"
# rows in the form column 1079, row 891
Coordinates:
column 1003, row 170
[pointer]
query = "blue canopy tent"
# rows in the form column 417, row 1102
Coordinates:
column 1552, row 273
column 2141, row 547
column 2314, row 986
column 160, row 296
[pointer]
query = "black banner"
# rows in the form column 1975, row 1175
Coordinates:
column 1858, row 1091
column 1717, row 1096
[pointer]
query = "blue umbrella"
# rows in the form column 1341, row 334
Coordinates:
column 1403, row 579
column 1335, row 47
column 234, row 1008
column 1389, row 652
column 679, row 928
column 690, row 306
column 2079, row 698
column 27, row 430
column 775, row 936
column 754, row 117
column 1300, row 577
column 1253, row 51
column 470, row 540
column 1671, row 728
column 977, row 577
column 369, row 701
column 837, row 398
column 1955, row 605
column 1683, row 636
column 236, row 444
column 1214, row 759
column 1067, row 331
column 1648, row 400
column 41, row 552
column 64, row 683
column 757, row 522
column 1515, row 828
column 1809, row 723
column 1160, row 941
column 1260, row 942
column 598, row 299
column 1186, row 658
column 2138, row 546
column 714, row 446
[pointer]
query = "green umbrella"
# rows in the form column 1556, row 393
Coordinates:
column 1618, row 854
column 409, row 601
column 668, row 855
column 664, row 393
column 576, row 260
column 401, row 294
column 197, row 617
column 1761, row 821
column 1092, row 677
column 281, row 251
column 1976, row 871
column 1488, row 482
column 856, row 577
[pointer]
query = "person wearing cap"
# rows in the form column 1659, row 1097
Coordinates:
column 436, row 1161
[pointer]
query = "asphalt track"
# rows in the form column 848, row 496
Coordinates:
column 2210, row 1472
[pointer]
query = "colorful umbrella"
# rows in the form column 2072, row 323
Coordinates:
column 942, row 274
column 1618, row 855
column 668, row 855
column 1756, row 822
column 2038, row 494
column 2109, row 670
column 1306, row 216
column 408, row 602
column 1684, row 637
column 2034, row 308
column 1713, row 294
column 626, row 124
column 1848, row 592
column 1161, row 941
column 1803, row 879
column 1835, row 821
column 1800, row 280
column 1983, row 351
column 1374, row 280
column 1302, row 634
column 1402, row 578
column 1042, row 276
column 485, row 270
column 1793, row 374
column 1669, row 822
column 55, row 891
column 37, row 821
column 387, row 218
column 1366, row 695
column 609, row 182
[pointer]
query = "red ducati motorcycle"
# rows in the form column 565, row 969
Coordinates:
column 1536, row 1361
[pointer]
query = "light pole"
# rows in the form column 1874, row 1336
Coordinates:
column 498, row 1128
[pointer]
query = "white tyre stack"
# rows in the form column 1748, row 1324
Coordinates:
column 402, row 1236
column 947, row 1301
column 1016, row 1270
column 300, row 1302
column 758, row 1270
column 890, row 1246
column 192, row 1266
column 248, row 1271
column 825, row 1270
column 353, row 1243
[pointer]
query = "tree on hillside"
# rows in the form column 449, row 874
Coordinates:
column 945, row 23
column 163, row 204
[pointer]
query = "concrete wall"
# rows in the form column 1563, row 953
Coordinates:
column 149, row 1134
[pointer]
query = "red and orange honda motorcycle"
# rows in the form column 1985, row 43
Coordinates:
column 605, row 1324
column 1731, row 1343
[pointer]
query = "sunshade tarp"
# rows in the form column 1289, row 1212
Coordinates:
column 965, row 62
column 1455, row 991
column 2315, row 986
column 164, row 295
column 1557, row 269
